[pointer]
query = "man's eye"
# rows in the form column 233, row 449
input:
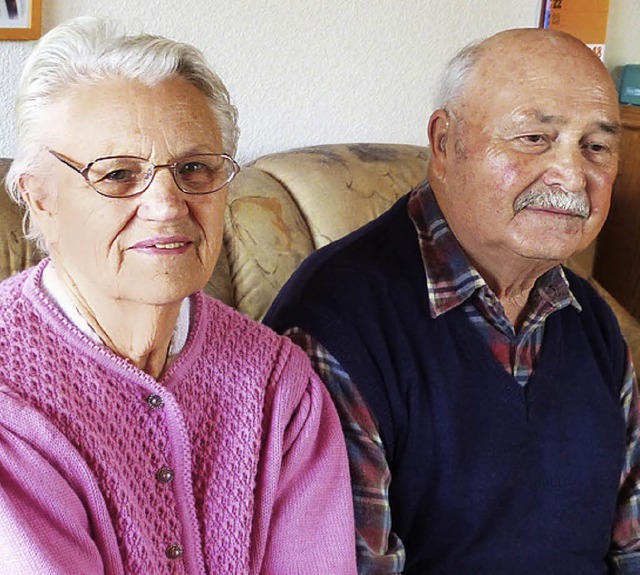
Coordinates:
column 598, row 148
column 533, row 139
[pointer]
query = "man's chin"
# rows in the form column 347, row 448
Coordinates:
column 550, row 253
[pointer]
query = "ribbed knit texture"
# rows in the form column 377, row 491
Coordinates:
column 209, row 430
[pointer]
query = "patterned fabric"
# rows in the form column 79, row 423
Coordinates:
column 223, row 466
column 284, row 205
column 453, row 282
column 379, row 550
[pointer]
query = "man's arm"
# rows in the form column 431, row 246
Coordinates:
column 379, row 550
column 625, row 543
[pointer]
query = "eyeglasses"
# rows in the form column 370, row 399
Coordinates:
column 127, row 176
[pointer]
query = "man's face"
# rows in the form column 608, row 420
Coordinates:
column 531, row 153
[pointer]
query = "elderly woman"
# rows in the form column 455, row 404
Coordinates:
column 146, row 428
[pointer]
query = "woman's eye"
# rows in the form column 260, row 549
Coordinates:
column 193, row 167
column 119, row 176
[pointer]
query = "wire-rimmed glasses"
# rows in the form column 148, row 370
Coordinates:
column 127, row 176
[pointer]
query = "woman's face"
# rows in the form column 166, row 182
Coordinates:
column 154, row 248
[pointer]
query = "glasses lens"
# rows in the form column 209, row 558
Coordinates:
column 119, row 176
column 204, row 173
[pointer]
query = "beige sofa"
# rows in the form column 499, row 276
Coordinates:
column 282, row 207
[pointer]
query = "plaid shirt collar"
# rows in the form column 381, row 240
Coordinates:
column 451, row 279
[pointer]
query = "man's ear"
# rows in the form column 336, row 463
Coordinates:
column 438, row 133
column 42, row 202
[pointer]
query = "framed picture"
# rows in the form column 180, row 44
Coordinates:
column 20, row 19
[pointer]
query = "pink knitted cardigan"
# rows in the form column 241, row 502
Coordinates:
column 233, row 462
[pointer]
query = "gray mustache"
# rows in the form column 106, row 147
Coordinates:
column 555, row 198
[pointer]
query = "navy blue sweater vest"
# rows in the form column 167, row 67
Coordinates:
column 487, row 477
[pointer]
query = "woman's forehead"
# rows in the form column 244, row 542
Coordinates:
column 126, row 116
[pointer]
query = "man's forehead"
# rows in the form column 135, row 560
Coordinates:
column 527, row 54
column 541, row 92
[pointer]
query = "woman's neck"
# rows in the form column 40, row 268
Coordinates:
column 138, row 332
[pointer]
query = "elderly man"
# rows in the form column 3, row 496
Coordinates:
column 486, row 392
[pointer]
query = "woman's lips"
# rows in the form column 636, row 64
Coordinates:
column 163, row 245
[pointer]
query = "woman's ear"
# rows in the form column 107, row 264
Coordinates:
column 42, row 203
column 438, row 133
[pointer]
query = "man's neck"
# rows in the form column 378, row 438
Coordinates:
column 511, row 280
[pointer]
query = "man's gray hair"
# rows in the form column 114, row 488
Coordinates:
column 90, row 50
column 456, row 75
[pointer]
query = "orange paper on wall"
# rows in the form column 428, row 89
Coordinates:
column 584, row 19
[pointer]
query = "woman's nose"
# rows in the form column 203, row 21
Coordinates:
column 163, row 200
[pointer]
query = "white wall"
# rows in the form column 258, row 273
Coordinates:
column 305, row 72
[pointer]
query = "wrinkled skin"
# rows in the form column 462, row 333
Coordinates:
column 547, row 122
column 129, row 262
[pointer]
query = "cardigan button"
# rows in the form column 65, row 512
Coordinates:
column 174, row 552
column 165, row 475
column 155, row 401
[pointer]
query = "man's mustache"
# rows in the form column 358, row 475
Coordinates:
column 555, row 197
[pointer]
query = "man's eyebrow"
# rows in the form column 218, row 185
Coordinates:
column 613, row 128
column 548, row 119
column 610, row 128
column 539, row 116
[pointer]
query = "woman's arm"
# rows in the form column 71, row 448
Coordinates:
column 53, row 519
column 305, row 521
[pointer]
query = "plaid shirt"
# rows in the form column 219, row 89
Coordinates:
column 453, row 282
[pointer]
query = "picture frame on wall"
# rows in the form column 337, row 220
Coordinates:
column 20, row 19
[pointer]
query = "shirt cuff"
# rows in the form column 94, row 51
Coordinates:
column 625, row 564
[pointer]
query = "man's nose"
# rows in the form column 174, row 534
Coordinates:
column 163, row 199
column 567, row 169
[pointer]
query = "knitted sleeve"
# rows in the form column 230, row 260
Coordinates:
column 306, row 520
column 52, row 517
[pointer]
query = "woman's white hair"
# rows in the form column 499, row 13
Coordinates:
column 89, row 50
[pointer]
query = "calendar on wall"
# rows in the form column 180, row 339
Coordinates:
column 584, row 19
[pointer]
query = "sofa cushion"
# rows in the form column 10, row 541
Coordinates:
column 16, row 253
column 341, row 187
column 265, row 238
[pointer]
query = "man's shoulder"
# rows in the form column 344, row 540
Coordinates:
column 347, row 268
column 588, row 296
column 369, row 245
column 597, row 318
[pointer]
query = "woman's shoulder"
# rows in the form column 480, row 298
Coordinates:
column 223, row 318
column 252, row 341
column 14, row 301
column 11, row 287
